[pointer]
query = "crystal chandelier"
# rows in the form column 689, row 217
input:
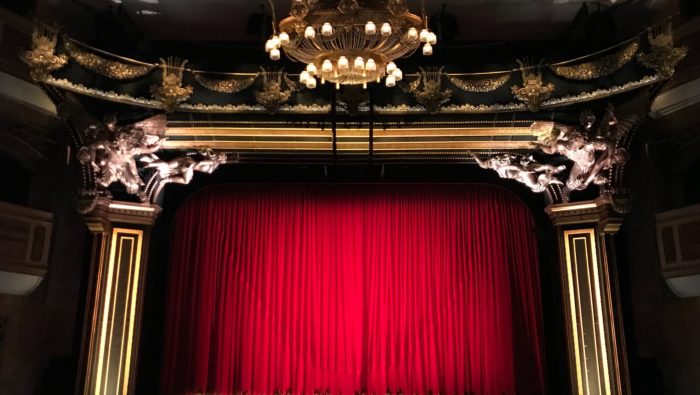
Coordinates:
column 350, row 42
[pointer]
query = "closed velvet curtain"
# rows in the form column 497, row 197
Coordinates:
column 352, row 288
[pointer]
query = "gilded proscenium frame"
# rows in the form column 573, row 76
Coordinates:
column 351, row 140
column 595, row 338
column 113, row 308
column 121, row 280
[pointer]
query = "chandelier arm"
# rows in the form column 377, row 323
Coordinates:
column 274, row 17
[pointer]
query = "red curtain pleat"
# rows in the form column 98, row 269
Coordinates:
column 354, row 288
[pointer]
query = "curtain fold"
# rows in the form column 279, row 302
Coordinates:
column 347, row 288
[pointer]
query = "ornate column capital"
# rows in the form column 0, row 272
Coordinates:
column 107, row 212
column 595, row 335
column 114, row 302
column 599, row 212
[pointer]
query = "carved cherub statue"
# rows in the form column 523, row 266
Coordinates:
column 591, row 146
column 112, row 152
column 535, row 175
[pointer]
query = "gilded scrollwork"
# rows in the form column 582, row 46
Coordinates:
column 108, row 68
column 600, row 67
column 533, row 91
column 42, row 59
column 272, row 95
column 481, row 84
column 431, row 96
column 662, row 56
column 170, row 93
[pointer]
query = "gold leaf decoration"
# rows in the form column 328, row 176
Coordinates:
column 170, row 93
column 108, row 68
column 225, row 85
column 42, row 59
column 410, row 87
column 662, row 56
column 600, row 67
column 533, row 91
column 489, row 84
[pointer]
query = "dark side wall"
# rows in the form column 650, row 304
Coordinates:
column 663, row 329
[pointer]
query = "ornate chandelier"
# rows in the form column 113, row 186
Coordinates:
column 350, row 42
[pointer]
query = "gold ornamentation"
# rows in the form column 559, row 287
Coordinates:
column 601, row 67
column 410, row 87
column 224, row 85
column 479, row 85
column 272, row 96
column 171, row 93
column 533, row 92
column 106, row 67
column 662, row 56
column 41, row 59
column 431, row 96
column 390, row 109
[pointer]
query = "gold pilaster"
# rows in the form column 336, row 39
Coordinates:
column 113, row 308
column 595, row 338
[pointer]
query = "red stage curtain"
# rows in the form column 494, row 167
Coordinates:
column 345, row 288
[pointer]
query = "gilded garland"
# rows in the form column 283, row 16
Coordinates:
column 479, row 84
column 224, row 85
column 601, row 67
column 106, row 67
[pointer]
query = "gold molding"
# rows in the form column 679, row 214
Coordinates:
column 347, row 146
column 597, row 356
column 116, row 314
column 312, row 132
column 589, row 379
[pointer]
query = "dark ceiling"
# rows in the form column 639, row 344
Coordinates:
column 236, row 20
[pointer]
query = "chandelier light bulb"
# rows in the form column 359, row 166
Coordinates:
column 370, row 28
column 371, row 65
column 390, row 81
column 284, row 38
column 390, row 67
column 311, row 69
column 310, row 32
column 327, row 66
column 412, row 34
column 269, row 46
column 386, row 29
column 359, row 63
column 343, row 63
column 275, row 54
column 427, row 49
column 424, row 35
column 311, row 83
column 326, row 29
column 275, row 41
column 432, row 38
column 398, row 74
column 304, row 77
